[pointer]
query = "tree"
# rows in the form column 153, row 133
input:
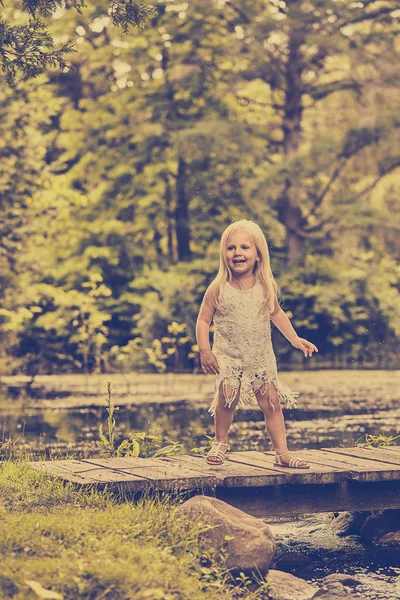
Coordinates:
column 305, row 52
column 29, row 48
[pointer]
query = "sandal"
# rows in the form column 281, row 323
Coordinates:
column 217, row 451
column 293, row 463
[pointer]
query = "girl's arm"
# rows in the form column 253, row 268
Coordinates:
column 208, row 361
column 282, row 322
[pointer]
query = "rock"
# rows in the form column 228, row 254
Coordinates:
column 391, row 539
column 247, row 541
column 285, row 586
column 378, row 525
column 325, row 594
column 342, row 578
column 333, row 590
column 349, row 523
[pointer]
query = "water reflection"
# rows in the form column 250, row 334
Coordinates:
column 75, row 431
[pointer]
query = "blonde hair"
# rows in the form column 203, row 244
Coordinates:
column 262, row 268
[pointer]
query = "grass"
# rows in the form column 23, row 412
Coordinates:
column 87, row 544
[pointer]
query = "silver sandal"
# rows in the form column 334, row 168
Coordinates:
column 218, row 450
column 293, row 463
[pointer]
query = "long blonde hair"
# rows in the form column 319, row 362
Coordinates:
column 262, row 268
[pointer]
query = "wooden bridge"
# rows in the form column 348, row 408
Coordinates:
column 339, row 479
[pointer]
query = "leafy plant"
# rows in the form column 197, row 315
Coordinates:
column 141, row 443
column 202, row 450
column 377, row 441
column 151, row 445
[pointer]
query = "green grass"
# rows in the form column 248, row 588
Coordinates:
column 88, row 544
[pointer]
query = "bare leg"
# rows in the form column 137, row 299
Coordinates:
column 274, row 421
column 224, row 417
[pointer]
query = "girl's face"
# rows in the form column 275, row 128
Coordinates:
column 241, row 253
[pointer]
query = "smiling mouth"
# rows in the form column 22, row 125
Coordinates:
column 238, row 262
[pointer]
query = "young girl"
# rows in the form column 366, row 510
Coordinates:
column 242, row 300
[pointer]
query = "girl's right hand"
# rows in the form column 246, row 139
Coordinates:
column 209, row 363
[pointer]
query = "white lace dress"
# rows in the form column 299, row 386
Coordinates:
column 243, row 348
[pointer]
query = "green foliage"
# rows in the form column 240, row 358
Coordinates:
column 377, row 441
column 169, row 346
column 29, row 49
column 121, row 174
column 202, row 450
column 50, row 312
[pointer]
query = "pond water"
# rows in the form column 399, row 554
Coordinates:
column 60, row 417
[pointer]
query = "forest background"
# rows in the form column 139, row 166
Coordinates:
column 118, row 176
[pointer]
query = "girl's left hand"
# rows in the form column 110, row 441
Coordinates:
column 307, row 347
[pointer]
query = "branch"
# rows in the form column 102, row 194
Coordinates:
column 317, row 231
column 245, row 100
column 325, row 89
column 381, row 175
column 364, row 16
column 239, row 11
column 25, row 42
column 372, row 15
column 324, row 192
column 307, row 232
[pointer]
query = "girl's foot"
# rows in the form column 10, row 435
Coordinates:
column 290, row 460
column 216, row 455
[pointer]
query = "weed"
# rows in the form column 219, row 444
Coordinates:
column 202, row 450
column 377, row 441
column 8, row 445
column 141, row 443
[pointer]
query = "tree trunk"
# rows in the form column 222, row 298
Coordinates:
column 169, row 217
column 292, row 129
column 182, row 214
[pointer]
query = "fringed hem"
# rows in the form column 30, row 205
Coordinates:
column 247, row 393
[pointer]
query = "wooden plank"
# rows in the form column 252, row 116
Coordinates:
column 320, row 473
column 123, row 462
column 236, row 471
column 376, row 455
column 199, row 462
column 162, row 477
column 231, row 474
column 159, row 473
column 395, row 449
column 100, row 476
column 70, row 464
column 239, row 471
column 255, row 459
column 360, row 468
column 268, row 459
